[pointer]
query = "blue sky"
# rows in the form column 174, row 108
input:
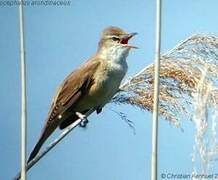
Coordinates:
column 58, row 39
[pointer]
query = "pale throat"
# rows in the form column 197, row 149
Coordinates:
column 115, row 54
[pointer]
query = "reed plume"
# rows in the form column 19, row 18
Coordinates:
column 180, row 72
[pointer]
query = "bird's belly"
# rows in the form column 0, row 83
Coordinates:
column 101, row 92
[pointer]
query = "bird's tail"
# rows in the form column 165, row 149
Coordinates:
column 46, row 132
column 36, row 148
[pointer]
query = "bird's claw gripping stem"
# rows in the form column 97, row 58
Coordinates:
column 84, row 120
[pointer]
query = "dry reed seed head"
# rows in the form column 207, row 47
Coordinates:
column 180, row 74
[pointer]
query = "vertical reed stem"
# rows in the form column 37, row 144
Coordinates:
column 23, row 92
column 154, row 161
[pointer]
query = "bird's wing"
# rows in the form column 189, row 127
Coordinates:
column 68, row 94
column 76, row 84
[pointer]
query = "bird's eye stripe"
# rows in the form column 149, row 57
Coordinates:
column 116, row 39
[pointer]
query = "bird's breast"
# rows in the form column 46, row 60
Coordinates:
column 107, row 80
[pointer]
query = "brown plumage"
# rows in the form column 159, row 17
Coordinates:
column 67, row 96
column 92, row 85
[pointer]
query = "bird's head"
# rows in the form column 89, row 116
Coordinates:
column 114, row 41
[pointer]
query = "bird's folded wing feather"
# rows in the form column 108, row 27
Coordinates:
column 76, row 84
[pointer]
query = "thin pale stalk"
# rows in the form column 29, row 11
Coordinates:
column 154, row 160
column 23, row 93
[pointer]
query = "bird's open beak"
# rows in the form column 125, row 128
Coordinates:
column 124, row 40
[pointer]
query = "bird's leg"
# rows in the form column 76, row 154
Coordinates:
column 84, row 120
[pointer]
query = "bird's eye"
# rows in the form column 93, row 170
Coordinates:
column 115, row 39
